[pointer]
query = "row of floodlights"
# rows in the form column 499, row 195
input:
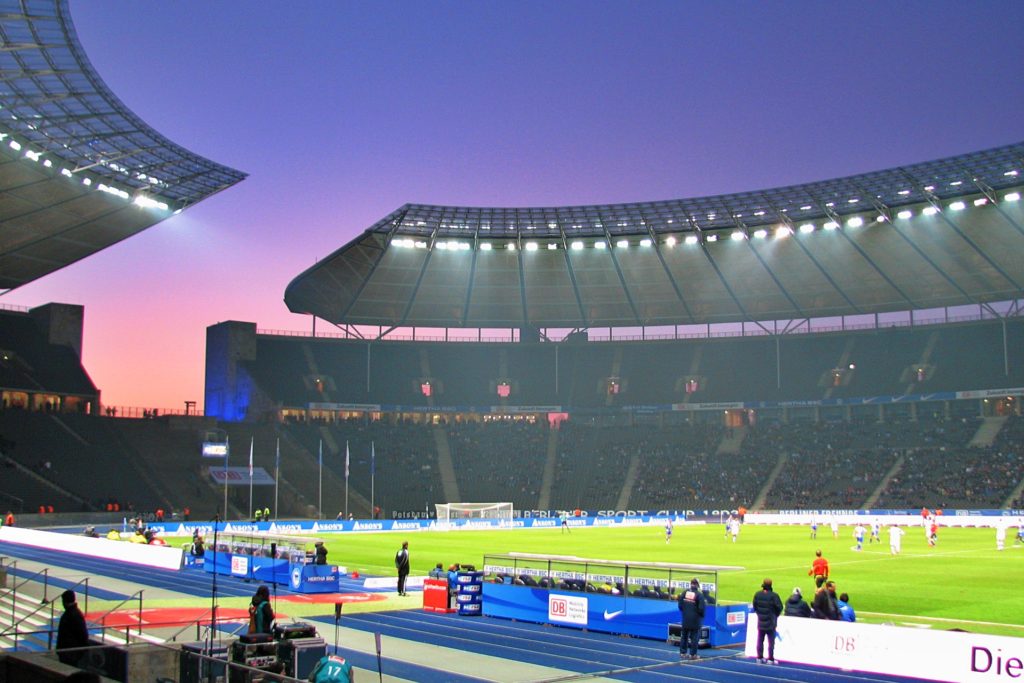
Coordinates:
column 139, row 200
column 781, row 231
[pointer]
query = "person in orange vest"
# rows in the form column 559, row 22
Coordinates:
column 9, row 519
column 159, row 514
column 186, row 513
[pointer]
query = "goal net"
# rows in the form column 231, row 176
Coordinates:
column 450, row 514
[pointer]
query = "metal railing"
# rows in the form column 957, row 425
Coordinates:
column 15, row 627
column 102, row 620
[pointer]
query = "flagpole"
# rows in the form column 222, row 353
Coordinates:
column 252, row 441
column 320, row 500
column 227, row 453
column 346, row 479
column 277, row 474
column 373, row 474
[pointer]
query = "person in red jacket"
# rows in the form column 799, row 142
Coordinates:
column 819, row 569
column 9, row 519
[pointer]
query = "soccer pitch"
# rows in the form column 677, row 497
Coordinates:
column 963, row 582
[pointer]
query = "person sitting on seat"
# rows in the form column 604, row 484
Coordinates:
column 437, row 572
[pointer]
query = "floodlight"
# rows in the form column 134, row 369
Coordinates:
column 852, row 201
column 531, row 246
column 759, row 213
column 712, row 238
column 622, row 244
column 737, row 235
column 1012, row 197
column 880, row 218
column 956, row 183
column 577, row 245
column 552, row 246
column 903, row 193
column 783, row 231
column 485, row 246
column 15, row 145
column 671, row 241
column 929, row 211
column 599, row 245
column 905, row 214
column 86, row 181
column 855, row 222
column 807, row 228
column 760, row 233
column 980, row 201
column 691, row 239
column 443, row 246
column 47, row 163
column 1011, row 173
column 806, row 207
column 645, row 242
column 957, row 206
column 66, row 172
column 422, row 244
column 831, row 225
column 34, row 156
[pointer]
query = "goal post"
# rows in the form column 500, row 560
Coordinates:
column 451, row 514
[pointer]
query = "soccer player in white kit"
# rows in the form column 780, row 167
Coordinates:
column 895, row 539
column 734, row 528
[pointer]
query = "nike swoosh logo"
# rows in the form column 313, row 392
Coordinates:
column 611, row 615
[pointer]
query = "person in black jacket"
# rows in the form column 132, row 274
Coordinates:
column 796, row 606
column 71, row 631
column 768, row 606
column 402, row 565
column 826, row 605
column 691, row 608
column 321, row 552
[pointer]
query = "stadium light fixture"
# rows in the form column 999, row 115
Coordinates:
column 1011, row 174
column 600, row 244
column 759, row 213
column 783, row 231
column 66, row 172
column 511, row 246
column 1012, row 197
column 981, row 201
column 806, row 207
column 15, row 145
column 691, row 239
column 645, row 242
column 47, row 163
column 671, row 241
column 905, row 214
column 807, row 228
column 712, row 237
column 422, row 244
column 929, row 211
column 486, row 246
column 880, row 218
column 929, row 188
column 903, row 193
column 760, row 233
column 957, row 206
column 853, row 201
column 32, row 155
column 855, row 222
column 443, row 246
column 531, row 246
column 577, row 245
column 552, row 246
column 87, row 181
column 956, row 183
column 622, row 244
column 831, row 225
column 737, row 235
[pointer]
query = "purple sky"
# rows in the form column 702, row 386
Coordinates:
column 341, row 112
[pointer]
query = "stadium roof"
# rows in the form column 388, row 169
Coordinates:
column 78, row 170
column 935, row 234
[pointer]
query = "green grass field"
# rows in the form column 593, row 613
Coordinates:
column 962, row 583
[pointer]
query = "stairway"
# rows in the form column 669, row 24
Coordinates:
column 987, row 432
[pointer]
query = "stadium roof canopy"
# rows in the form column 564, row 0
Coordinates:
column 935, row 234
column 78, row 170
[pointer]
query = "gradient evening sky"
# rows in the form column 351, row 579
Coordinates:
column 343, row 111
